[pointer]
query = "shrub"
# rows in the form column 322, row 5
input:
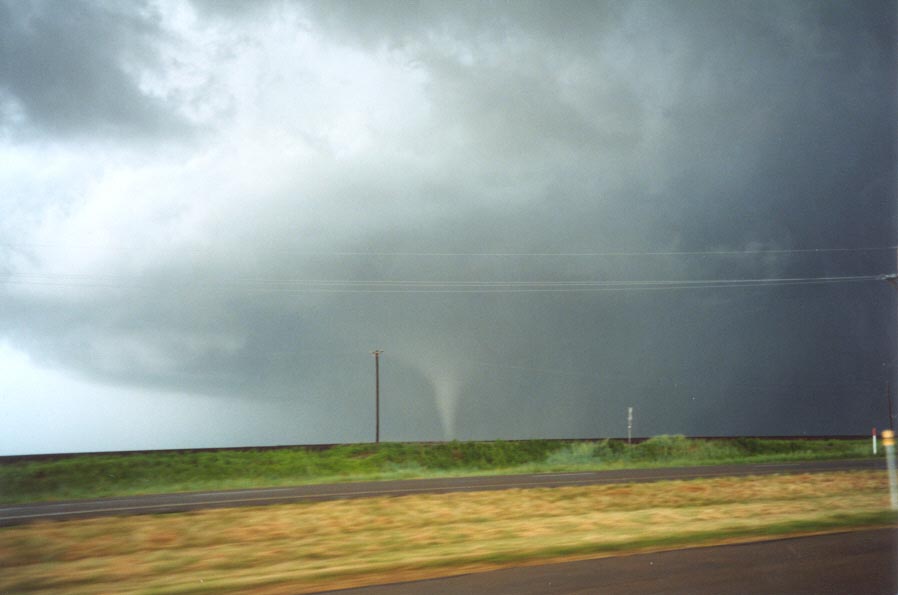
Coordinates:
column 578, row 453
column 663, row 447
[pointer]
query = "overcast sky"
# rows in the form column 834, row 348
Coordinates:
column 543, row 212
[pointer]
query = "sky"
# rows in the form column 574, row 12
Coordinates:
column 211, row 213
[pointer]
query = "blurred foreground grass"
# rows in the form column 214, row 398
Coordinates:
column 299, row 548
column 98, row 475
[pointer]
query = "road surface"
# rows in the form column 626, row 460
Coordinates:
column 843, row 563
column 183, row 502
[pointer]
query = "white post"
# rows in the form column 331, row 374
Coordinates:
column 629, row 423
column 874, row 441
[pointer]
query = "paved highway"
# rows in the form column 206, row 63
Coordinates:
column 843, row 563
column 182, row 502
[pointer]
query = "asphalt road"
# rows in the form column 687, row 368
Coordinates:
column 182, row 502
column 862, row 562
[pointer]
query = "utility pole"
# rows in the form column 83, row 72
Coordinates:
column 889, row 397
column 376, row 353
column 892, row 279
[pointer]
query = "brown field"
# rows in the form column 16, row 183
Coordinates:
column 303, row 547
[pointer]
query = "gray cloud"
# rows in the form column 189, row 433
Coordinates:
column 73, row 68
column 622, row 127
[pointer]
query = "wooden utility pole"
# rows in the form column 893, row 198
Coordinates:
column 376, row 353
column 891, row 278
column 889, row 397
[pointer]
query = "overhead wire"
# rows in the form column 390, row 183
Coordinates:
column 613, row 253
column 302, row 285
column 362, row 253
column 293, row 285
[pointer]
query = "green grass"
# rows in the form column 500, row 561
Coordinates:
column 99, row 475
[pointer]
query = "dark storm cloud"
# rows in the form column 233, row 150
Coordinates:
column 747, row 100
column 471, row 22
column 73, row 68
column 777, row 130
column 549, row 128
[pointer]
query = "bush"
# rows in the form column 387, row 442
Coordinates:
column 663, row 447
column 610, row 449
column 578, row 453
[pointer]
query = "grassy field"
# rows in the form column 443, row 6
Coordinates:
column 296, row 548
column 91, row 476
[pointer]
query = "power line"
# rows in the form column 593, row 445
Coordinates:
column 64, row 277
column 418, row 286
column 759, row 251
column 613, row 253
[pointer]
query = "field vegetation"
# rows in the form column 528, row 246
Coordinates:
column 297, row 548
column 100, row 475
